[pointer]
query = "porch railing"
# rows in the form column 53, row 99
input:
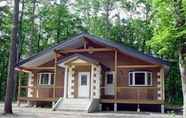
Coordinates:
column 44, row 93
column 134, row 94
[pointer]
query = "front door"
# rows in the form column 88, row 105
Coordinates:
column 83, row 84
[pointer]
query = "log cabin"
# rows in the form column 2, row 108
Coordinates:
column 89, row 73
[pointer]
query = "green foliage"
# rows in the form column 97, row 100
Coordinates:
column 5, row 25
column 173, row 86
column 168, row 36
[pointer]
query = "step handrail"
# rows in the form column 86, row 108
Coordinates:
column 57, row 103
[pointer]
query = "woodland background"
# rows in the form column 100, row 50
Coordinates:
column 136, row 23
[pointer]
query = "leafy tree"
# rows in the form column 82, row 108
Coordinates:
column 169, row 34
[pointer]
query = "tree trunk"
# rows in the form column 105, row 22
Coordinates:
column 32, row 28
column 183, row 78
column 12, row 61
column 182, row 66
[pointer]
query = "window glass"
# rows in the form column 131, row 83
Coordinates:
column 139, row 78
column 83, row 79
column 109, row 78
column 44, row 79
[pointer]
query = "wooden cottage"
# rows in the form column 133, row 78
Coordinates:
column 90, row 73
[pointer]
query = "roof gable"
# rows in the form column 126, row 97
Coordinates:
column 77, row 58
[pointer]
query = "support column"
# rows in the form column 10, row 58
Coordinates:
column 115, row 107
column 70, row 80
column 19, row 92
column 115, row 79
column 95, row 81
column 138, row 108
column 55, row 76
column 162, row 77
column 100, row 107
column 162, row 108
column 19, row 88
column 65, row 82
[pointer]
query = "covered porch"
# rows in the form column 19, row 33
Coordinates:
column 82, row 77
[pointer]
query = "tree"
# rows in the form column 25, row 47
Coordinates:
column 169, row 37
column 32, row 33
column 12, row 61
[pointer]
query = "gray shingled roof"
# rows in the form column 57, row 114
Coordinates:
column 75, row 41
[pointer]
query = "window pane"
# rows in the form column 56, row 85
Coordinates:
column 44, row 78
column 139, row 78
column 83, row 79
column 109, row 78
column 149, row 78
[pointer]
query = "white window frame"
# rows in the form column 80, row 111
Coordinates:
column 49, row 79
column 133, row 78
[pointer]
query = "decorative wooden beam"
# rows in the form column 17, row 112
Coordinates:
column 138, row 66
column 21, row 69
column 86, row 50
column 43, row 68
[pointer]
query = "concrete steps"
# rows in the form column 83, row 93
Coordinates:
column 73, row 104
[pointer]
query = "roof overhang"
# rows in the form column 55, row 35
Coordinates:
column 76, row 42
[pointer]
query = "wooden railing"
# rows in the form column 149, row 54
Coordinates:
column 132, row 94
column 36, row 93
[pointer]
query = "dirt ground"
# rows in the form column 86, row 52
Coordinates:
column 30, row 112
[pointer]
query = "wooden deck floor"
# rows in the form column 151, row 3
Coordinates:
column 132, row 101
column 36, row 99
column 124, row 101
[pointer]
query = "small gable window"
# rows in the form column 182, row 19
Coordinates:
column 46, row 78
column 140, row 78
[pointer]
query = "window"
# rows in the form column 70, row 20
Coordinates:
column 83, row 79
column 140, row 78
column 109, row 77
column 46, row 78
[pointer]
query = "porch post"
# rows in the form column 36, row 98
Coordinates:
column 19, row 92
column 162, row 82
column 65, row 82
column 115, row 79
column 55, row 75
column 91, row 81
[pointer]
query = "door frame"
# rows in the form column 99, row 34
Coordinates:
column 88, row 83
